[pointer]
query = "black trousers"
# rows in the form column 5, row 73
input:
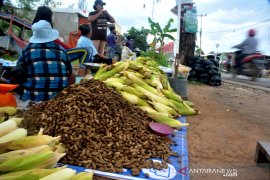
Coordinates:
column 101, row 60
column 238, row 60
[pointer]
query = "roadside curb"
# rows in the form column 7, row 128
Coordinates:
column 247, row 85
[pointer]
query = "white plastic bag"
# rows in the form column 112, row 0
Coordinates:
column 127, row 54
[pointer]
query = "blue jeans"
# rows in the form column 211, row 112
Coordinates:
column 111, row 52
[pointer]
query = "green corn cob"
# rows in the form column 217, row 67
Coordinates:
column 133, row 99
column 23, row 152
column 183, row 108
column 134, row 66
column 103, row 68
column 164, row 109
column 161, row 118
column 38, row 160
column 31, row 174
column 172, row 95
column 133, row 91
column 112, row 72
column 189, row 103
column 113, row 79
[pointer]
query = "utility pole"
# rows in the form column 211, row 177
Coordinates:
column 153, row 10
column 201, row 15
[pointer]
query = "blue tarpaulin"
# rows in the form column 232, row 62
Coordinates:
column 177, row 169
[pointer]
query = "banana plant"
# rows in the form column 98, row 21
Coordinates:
column 161, row 33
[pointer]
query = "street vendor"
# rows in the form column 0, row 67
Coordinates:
column 47, row 65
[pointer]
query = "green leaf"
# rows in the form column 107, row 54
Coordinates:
column 172, row 30
column 169, row 36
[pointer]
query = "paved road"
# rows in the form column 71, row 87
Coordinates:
column 263, row 82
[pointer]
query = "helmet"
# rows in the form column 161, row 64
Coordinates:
column 251, row 32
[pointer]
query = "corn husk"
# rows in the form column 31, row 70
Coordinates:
column 132, row 77
column 32, row 174
column 164, row 109
column 116, row 69
column 7, row 127
column 8, row 110
column 63, row 174
column 23, row 152
column 133, row 99
column 18, row 121
column 37, row 160
column 117, row 85
column 134, row 65
column 132, row 90
column 31, row 141
column 114, row 79
column 172, row 95
column 161, row 118
column 155, row 80
column 13, row 135
column 103, row 68
column 183, row 108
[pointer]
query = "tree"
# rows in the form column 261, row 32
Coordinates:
column 24, row 8
column 187, row 46
column 159, row 33
column 139, row 36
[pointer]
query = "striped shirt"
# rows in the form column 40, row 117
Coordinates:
column 48, row 67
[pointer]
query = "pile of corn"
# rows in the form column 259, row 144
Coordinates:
column 142, row 83
column 29, row 157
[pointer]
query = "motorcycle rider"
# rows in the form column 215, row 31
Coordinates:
column 248, row 46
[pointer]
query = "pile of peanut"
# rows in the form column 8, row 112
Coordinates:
column 99, row 129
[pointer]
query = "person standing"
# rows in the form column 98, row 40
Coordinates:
column 112, row 41
column 99, row 19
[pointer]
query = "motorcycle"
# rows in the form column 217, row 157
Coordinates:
column 251, row 66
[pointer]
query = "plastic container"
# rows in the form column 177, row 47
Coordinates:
column 180, row 86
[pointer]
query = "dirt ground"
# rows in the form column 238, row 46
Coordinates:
column 224, row 135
